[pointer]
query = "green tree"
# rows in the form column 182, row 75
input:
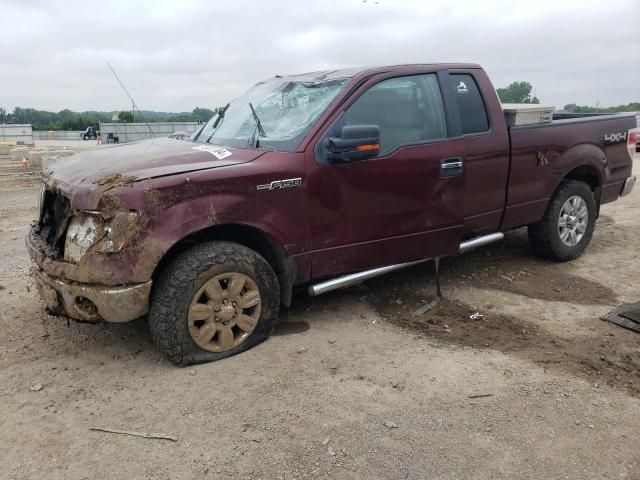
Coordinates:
column 126, row 117
column 517, row 92
column 629, row 107
column 201, row 114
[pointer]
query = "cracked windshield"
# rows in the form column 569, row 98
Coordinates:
column 285, row 109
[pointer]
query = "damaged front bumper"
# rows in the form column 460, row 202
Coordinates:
column 76, row 292
column 93, row 303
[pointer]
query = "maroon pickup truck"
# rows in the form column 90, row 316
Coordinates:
column 323, row 180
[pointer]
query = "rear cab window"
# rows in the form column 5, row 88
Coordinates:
column 473, row 112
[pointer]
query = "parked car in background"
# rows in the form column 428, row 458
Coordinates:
column 635, row 136
column 634, row 139
column 319, row 180
column 91, row 133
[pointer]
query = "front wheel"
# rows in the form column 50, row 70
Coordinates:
column 567, row 226
column 213, row 301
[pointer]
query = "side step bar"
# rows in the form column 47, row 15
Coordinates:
column 359, row 277
column 480, row 241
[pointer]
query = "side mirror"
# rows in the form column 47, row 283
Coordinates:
column 356, row 142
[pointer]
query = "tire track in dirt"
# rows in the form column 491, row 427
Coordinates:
column 607, row 356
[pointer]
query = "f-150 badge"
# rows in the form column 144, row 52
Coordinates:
column 279, row 184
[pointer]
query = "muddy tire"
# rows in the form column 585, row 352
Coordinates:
column 213, row 301
column 567, row 226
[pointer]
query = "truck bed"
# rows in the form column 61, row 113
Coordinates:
column 545, row 153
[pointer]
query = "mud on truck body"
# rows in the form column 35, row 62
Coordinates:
column 318, row 180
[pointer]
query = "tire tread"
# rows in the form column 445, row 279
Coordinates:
column 167, row 324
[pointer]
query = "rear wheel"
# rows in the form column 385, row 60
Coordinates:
column 213, row 301
column 567, row 226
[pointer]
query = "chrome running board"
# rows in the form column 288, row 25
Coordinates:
column 359, row 277
column 480, row 241
column 355, row 278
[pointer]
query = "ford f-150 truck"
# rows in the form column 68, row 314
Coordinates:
column 320, row 180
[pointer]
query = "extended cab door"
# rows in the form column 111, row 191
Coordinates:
column 404, row 204
column 486, row 150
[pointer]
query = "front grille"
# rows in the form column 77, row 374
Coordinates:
column 54, row 219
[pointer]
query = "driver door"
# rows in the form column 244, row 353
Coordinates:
column 405, row 203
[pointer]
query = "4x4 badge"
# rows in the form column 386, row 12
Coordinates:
column 278, row 184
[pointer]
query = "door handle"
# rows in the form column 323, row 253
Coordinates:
column 451, row 167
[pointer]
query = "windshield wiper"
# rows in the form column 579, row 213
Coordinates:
column 221, row 115
column 255, row 140
column 218, row 120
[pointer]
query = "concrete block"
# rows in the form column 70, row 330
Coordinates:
column 35, row 157
column 18, row 153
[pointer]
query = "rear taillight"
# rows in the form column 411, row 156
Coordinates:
column 633, row 140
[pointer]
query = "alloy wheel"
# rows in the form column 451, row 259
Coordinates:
column 224, row 312
column 573, row 220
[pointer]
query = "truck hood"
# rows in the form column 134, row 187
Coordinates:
column 146, row 159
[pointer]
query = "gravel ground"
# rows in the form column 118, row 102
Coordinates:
column 350, row 385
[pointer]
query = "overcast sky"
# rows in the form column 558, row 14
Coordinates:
column 177, row 54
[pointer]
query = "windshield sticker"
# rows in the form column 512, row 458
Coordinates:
column 218, row 152
column 462, row 88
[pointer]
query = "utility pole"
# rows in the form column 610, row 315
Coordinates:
column 133, row 103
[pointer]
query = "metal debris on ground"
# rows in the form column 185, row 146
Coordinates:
column 626, row 315
column 427, row 306
column 476, row 316
column 481, row 395
column 159, row 436
column 438, row 298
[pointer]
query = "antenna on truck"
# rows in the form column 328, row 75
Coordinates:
column 133, row 102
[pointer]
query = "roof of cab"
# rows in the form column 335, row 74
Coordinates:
column 327, row 75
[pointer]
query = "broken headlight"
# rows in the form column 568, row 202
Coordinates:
column 92, row 231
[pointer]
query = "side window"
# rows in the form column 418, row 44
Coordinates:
column 472, row 110
column 407, row 110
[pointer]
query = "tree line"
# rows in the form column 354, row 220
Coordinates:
column 68, row 120
column 629, row 107
column 520, row 92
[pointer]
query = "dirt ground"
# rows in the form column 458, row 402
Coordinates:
column 351, row 385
